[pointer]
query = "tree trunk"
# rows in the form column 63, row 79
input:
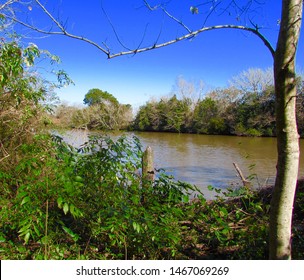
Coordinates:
column 287, row 134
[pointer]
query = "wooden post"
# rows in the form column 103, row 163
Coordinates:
column 147, row 168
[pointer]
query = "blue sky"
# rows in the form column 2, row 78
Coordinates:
column 213, row 57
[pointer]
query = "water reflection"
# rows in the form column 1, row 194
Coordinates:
column 207, row 160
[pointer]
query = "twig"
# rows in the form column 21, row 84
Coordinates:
column 210, row 13
column 246, row 183
column 7, row 4
column 62, row 31
column 4, row 157
column 176, row 20
column 87, row 245
column 114, row 30
column 195, row 33
column 46, row 230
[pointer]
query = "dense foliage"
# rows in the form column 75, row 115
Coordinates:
column 241, row 109
column 96, row 96
column 63, row 203
column 23, row 96
column 104, row 116
column 104, row 112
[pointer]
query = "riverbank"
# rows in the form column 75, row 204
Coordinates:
column 93, row 203
column 232, row 229
column 243, row 218
column 204, row 160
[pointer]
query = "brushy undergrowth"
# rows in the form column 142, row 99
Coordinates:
column 62, row 203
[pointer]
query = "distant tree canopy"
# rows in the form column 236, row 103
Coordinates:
column 103, row 113
column 97, row 96
column 246, row 107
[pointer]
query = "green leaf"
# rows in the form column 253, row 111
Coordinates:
column 223, row 211
column 218, row 190
column 78, row 179
column 65, row 208
column 258, row 207
column 59, row 202
column 72, row 209
column 44, row 240
column 2, row 238
column 71, row 233
column 136, row 227
column 36, row 230
column 27, row 237
column 24, row 229
column 25, row 200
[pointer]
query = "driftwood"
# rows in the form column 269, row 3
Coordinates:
column 245, row 182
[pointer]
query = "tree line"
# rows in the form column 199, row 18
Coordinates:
column 103, row 112
column 245, row 108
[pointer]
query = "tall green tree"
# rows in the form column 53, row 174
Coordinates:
column 97, row 96
column 207, row 119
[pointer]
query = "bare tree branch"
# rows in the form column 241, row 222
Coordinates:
column 195, row 33
column 64, row 33
column 4, row 9
column 7, row 4
column 114, row 30
column 211, row 11
column 175, row 19
column 167, row 13
column 62, row 29
column 105, row 49
column 150, row 7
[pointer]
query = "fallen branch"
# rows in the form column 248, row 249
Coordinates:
column 246, row 183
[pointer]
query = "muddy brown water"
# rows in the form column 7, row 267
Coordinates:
column 207, row 160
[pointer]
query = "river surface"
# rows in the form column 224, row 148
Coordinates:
column 208, row 160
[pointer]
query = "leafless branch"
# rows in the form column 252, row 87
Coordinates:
column 167, row 13
column 62, row 29
column 64, row 32
column 195, row 33
column 176, row 20
column 6, row 9
column 211, row 12
column 7, row 4
column 143, row 38
column 159, row 34
column 150, row 7
column 106, row 50
column 114, row 30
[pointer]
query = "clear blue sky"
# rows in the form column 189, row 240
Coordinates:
column 214, row 56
